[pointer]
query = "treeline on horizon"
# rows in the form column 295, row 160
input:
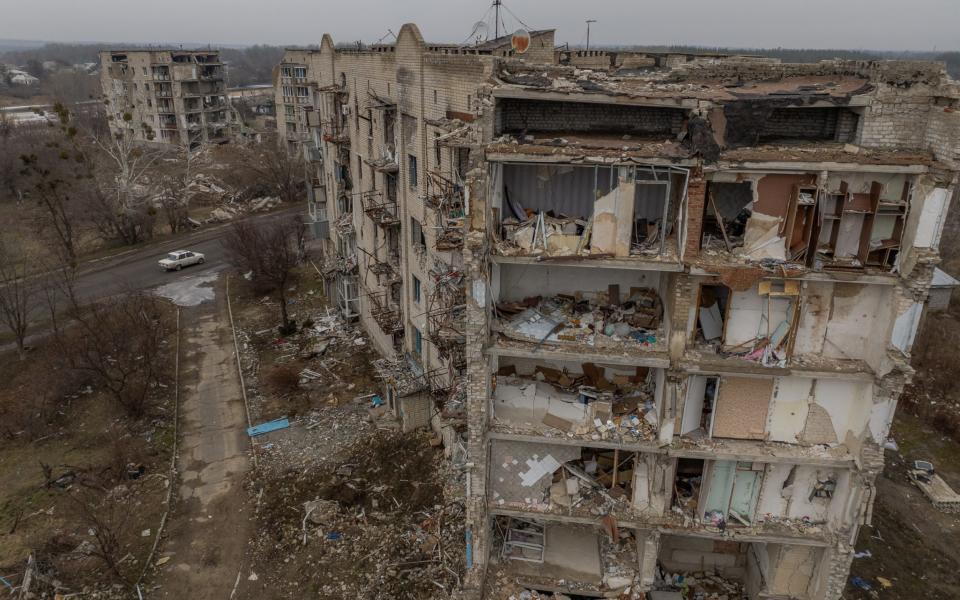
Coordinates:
column 254, row 64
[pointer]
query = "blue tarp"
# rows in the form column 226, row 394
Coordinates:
column 267, row 427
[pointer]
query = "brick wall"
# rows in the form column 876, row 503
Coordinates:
column 943, row 129
column 896, row 119
column 545, row 116
column 810, row 124
column 891, row 72
column 696, row 194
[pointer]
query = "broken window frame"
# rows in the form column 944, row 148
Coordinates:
column 348, row 296
column 661, row 176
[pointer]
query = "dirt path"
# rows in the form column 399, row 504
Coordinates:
column 210, row 527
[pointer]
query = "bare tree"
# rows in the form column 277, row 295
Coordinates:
column 124, row 210
column 55, row 175
column 17, row 295
column 270, row 251
column 57, row 286
column 105, row 520
column 177, row 185
column 120, row 343
column 281, row 172
column 12, row 143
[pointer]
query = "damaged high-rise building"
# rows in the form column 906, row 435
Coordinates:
column 166, row 96
column 660, row 306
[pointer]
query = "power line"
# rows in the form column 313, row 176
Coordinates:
column 506, row 8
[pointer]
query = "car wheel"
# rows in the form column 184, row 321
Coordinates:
column 179, row 267
column 200, row 262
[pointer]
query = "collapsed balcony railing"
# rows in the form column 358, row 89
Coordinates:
column 384, row 312
column 382, row 212
column 445, row 197
column 404, row 374
column 335, row 134
column 446, row 315
column 344, row 224
column 334, row 264
column 445, row 332
column 387, row 163
column 387, row 272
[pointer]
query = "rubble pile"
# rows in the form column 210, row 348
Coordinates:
column 233, row 209
column 331, row 356
column 372, row 521
column 701, row 586
column 590, row 319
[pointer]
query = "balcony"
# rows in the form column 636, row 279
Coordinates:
column 297, row 136
column 403, row 374
column 215, row 103
column 211, row 75
column 446, row 316
column 445, row 198
column 338, row 264
column 385, row 312
column 386, row 163
column 383, row 213
column 344, row 225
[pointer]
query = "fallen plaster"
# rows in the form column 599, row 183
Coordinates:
column 189, row 291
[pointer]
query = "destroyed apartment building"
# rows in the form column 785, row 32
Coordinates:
column 660, row 307
column 167, row 96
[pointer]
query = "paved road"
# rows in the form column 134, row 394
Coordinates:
column 138, row 269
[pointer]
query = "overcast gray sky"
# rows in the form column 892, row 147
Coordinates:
column 873, row 24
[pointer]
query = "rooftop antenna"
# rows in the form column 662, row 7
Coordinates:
column 496, row 18
column 588, row 31
column 481, row 30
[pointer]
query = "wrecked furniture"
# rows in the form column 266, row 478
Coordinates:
column 585, row 319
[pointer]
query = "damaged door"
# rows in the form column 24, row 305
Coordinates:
column 698, row 406
column 733, row 490
column 746, row 490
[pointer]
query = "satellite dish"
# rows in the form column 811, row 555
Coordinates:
column 520, row 41
column 480, row 30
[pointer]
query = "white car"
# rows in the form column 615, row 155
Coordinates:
column 179, row 259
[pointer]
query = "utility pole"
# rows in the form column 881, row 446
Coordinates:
column 588, row 31
column 496, row 18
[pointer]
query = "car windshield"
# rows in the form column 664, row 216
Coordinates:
column 173, row 256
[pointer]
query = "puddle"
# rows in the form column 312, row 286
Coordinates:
column 189, row 291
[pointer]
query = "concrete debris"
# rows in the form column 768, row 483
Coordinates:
column 701, row 585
